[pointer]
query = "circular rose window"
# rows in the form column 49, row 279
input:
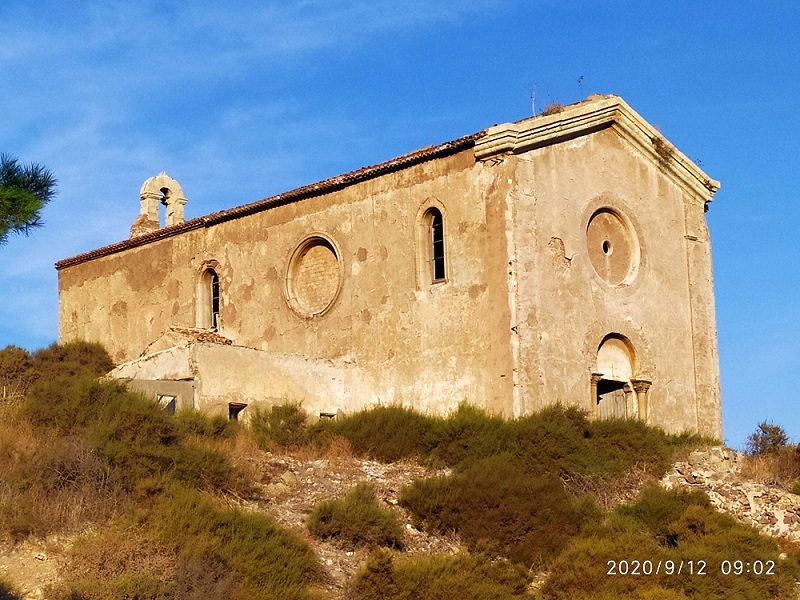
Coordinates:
column 314, row 276
column 613, row 247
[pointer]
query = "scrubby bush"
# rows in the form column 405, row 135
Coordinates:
column 199, row 423
column 527, row 518
column 781, row 466
column 186, row 545
column 439, row 578
column 70, row 359
column 669, row 526
column 104, row 445
column 768, row 438
column 770, row 458
column 282, row 427
column 118, row 560
column 466, row 436
column 16, row 371
column 555, row 440
column 137, row 440
column 264, row 559
column 356, row 520
column 386, row 433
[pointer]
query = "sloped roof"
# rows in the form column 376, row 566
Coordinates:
column 594, row 113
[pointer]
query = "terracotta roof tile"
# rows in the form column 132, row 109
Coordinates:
column 301, row 193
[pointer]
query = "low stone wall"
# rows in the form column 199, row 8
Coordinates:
column 718, row 472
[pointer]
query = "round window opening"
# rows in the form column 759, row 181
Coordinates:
column 314, row 276
column 613, row 247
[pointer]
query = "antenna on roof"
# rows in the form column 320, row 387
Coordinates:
column 580, row 86
column 533, row 100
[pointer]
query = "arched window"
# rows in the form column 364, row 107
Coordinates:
column 431, row 244
column 436, row 245
column 208, row 300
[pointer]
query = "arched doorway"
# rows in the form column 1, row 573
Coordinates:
column 611, row 381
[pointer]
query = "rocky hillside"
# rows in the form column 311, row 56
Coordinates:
column 718, row 472
column 290, row 485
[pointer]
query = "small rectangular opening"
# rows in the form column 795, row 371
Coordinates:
column 168, row 403
column 235, row 409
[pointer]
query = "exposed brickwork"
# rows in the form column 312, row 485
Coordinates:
column 316, row 278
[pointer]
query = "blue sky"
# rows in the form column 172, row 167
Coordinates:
column 241, row 103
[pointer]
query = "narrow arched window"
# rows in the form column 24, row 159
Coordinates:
column 208, row 300
column 214, row 300
column 436, row 244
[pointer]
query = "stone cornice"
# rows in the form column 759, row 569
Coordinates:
column 594, row 114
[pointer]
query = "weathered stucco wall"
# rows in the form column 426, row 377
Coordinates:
column 567, row 308
column 415, row 342
column 562, row 234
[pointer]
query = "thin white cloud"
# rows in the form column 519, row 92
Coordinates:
column 90, row 90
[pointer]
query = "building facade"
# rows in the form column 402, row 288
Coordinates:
column 564, row 258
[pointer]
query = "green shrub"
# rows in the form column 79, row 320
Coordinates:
column 439, row 578
column 555, row 440
column 265, row 560
column 356, row 520
column 67, row 403
column 668, row 526
column 137, row 440
column 768, row 438
column 196, row 422
column 386, row 433
column 282, row 427
column 619, row 444
column 70, row 359
column 16, row 371
column 527, row 518
column 466, row 436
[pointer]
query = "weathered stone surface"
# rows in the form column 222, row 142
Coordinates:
column 571, row 264
column 718, row 472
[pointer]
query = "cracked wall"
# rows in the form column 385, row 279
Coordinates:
column 550, row 248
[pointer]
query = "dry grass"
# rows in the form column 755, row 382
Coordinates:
column 58, row 486
column 663, row 148
column 780, row 467
column 552, row 108
column 99, row 563
column 609, row 492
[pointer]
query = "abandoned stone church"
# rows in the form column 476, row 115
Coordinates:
column 562, row 258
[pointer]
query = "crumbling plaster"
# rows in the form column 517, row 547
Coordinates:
column 517, row 323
